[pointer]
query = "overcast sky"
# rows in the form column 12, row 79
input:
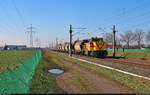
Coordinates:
column 51, row 18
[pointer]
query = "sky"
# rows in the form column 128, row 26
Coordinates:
column 51, row 19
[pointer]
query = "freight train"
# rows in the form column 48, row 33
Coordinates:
column 90, row 47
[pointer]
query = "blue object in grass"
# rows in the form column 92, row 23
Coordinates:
column 56, row 71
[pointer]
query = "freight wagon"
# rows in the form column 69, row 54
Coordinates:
column 90, row 47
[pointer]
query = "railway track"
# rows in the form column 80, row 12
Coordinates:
column 126, row 65
column 137, row 63
column 129, row 62
column 138, row 67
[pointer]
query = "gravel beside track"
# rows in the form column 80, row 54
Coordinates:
column 125, row 67
column 137, row 61
column 129, row 62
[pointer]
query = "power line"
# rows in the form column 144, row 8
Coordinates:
column 8, row 17
column 134, row 18
column 4, row 24
column 18, row 12
column 122, row 13
column 140, row 24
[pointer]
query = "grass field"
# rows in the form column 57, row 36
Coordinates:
column 9, row 60
column 132, row 55
column 44, row 82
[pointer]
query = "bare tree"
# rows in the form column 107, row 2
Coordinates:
column 127, row 37
column 138, row 37
column 118, row 40
column 148, row 37
column 108, row 38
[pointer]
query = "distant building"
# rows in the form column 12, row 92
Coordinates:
column 15, row 47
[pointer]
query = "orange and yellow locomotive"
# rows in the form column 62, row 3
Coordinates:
column 91, row 47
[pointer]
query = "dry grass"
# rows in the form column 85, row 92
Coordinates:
column 132, row 55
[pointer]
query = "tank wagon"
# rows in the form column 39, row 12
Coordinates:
column 90, row 47
column 63, row 48
column 67, row 47
column 78, row 46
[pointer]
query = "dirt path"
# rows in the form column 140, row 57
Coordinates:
column 66, row 84
column 99, row 82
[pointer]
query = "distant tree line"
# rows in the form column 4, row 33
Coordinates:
column 130, row 39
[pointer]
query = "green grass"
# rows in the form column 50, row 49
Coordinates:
column 42, row 81
column 76, row 78
column 138, row 85
column 81, row 82
column 12, row 59
column 133, row 55
column 45, row 82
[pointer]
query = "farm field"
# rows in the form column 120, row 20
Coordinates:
column 82, row 77
column 12, row 59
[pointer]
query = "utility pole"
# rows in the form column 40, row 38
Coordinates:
column 56, row 42
column 114, row 40
column 71, row 35
column 52, row 44
column 31, row 35
column 70, row 50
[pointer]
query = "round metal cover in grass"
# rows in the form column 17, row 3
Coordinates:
column 56, row 71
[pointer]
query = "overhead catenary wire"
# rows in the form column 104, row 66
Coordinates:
column 128, row 20
column 122, row 12
column 137, row 25
column 135, row 17
column 78, row 32
column 125, row 12
column 132, row 18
